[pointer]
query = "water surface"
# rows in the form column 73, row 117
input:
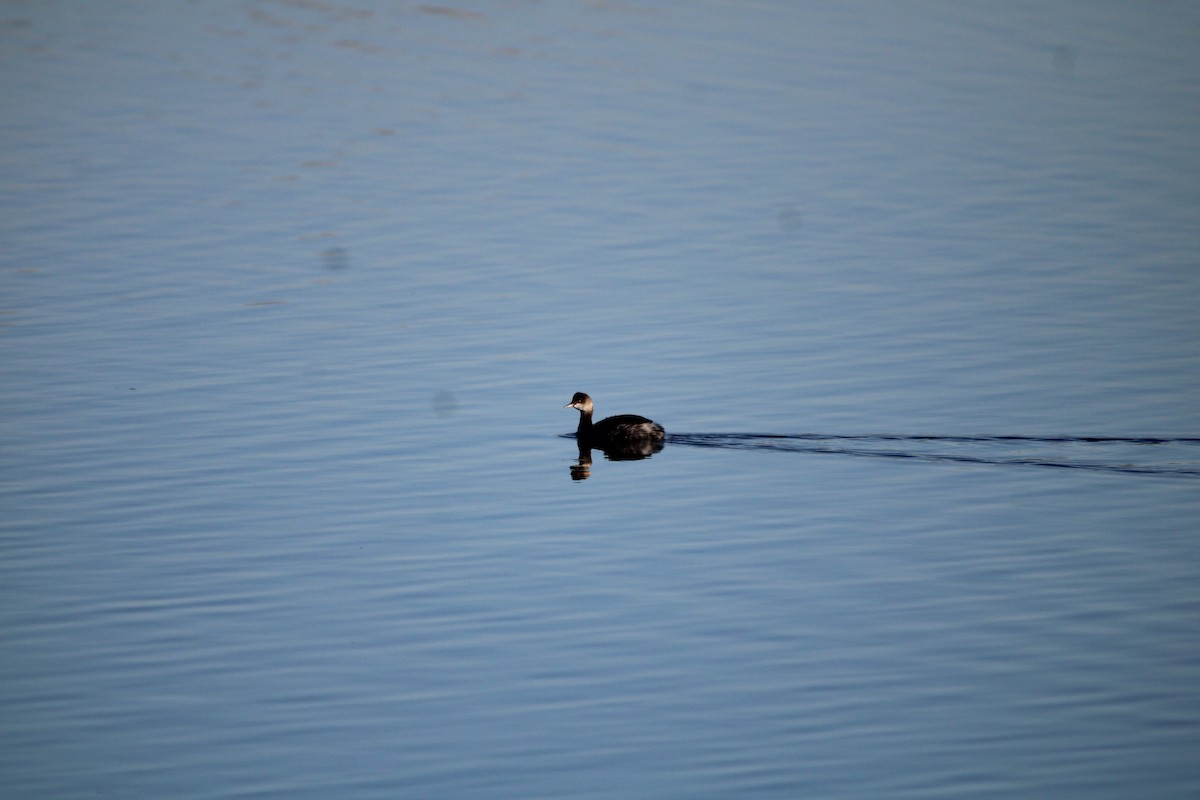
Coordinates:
column 293, row 294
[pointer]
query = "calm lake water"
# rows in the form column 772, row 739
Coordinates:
column 293, row 294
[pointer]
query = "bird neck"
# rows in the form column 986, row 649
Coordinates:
column 585, row 424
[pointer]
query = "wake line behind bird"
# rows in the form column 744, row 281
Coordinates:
column 1143, row 455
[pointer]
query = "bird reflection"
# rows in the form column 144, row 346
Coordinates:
column 581, row 470
column 625, row 451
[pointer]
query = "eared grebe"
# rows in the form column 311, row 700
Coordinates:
column 621, row 430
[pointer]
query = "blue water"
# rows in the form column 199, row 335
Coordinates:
column 291, row 296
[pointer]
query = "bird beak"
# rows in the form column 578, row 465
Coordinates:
column 569, row 405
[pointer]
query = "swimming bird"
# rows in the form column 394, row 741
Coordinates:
column 621, row 430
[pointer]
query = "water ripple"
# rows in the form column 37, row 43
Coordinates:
column 1140, row 455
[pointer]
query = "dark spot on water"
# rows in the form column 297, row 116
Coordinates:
column 354, row 44
column 444, row 404
column 1064, row 59
column 790, row 219
column 335, row 259
column 447, row 11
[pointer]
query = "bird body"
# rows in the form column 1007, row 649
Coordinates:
column 623, row 429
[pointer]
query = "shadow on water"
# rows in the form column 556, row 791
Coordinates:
column 1141, row 455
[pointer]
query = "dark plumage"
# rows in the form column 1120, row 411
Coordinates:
column 623, row 429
